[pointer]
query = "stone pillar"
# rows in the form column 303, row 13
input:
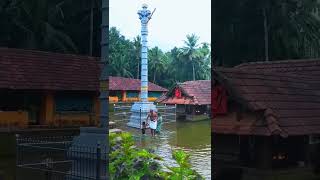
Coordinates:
column 124, row 96
column 144, row 16
column 139, row 110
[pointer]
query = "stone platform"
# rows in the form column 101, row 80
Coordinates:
column 139, row 113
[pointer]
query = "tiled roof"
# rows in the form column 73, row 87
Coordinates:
column 130, row 84
column 287, row 92
column 28, row 69
column 195, row 92
column 302, row 67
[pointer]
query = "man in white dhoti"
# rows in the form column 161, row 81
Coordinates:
column 153, row 122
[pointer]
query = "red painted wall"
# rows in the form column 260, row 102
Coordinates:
column 219, row 100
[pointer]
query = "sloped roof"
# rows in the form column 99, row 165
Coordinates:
column 29, row 69
column 301, row 67
column 197, row 92
column 130, row 84
column 287, row 92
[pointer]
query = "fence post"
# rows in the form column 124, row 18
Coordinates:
column 17, row 149
column 140, row 119
column 98, row 163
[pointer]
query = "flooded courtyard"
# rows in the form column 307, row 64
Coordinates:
column 192, row 137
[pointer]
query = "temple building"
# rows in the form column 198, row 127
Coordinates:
column 266, row 117
column 128, row 90
column 192, row 99
column 50, row 89
column 47, row 89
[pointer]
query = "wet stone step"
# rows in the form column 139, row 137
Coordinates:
column 115, row 130
column 112, row 124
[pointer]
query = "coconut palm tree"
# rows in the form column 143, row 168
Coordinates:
column 137, row 52
column 258, row 30
column 157, row 61
column 191, row 52
column 39, row 22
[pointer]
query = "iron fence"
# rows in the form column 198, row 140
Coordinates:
column 122, row 112
column 57, row 158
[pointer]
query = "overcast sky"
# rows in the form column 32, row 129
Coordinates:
column 171, row 22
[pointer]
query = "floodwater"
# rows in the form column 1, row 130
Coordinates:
column 192, row 137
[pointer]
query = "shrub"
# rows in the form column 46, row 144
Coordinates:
column 129, row 162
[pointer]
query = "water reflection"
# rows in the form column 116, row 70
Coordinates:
column 192, row 137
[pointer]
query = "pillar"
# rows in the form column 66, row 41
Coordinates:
column 96, row 109
column 48, row 108
column 124, row 96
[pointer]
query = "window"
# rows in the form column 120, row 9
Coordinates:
column 154, row 94
column 72, row 102
column 132, row 94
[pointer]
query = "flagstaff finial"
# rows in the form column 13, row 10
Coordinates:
column 144, row 6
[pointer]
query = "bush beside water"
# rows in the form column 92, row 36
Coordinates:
column 129, row 162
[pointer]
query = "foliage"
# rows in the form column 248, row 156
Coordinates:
column 65, row 26
column 293, row 30
column 191, row 62
column 183, row 171
column 56, row 25
column 128, row 162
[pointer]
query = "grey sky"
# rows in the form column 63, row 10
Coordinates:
column 171, row 22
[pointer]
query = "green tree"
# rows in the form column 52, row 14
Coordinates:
column 190, row 52
column 165, row 68
column 137, row 53
column 258, row 30
column 120, row 54
column 38, row 22
column 157, row 62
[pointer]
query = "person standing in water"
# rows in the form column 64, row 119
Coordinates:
column 153, row 121
column 159, row 123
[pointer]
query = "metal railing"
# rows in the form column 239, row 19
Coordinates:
column 123, row 112
column 49, row 158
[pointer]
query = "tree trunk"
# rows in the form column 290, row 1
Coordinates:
column 91, row 28
column 138, row 69
column 266, row 43
column 193, row 73
column 154, row 77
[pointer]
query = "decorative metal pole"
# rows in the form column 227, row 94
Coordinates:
column 140, row 109
column 144, row 16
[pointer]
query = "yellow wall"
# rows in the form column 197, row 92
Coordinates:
column 14, row 118
column 113, row 99
column 73, row 119
column 79, row 119
column 48, row 116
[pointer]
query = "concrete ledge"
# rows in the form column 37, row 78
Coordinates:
column 94, row 130
column 115, row 131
